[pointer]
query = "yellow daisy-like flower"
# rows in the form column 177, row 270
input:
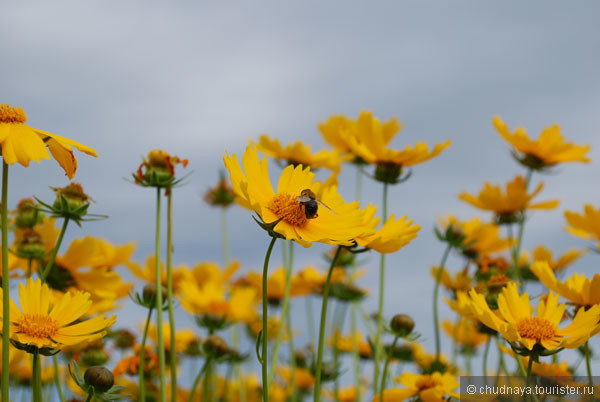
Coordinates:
column 183, row 337
column 461, row 281
column 515, row 199
column 586, row 225
column 576, row 288
column 434, row 387
column 276, row 285
column 283, row 209
column 345, row 344
column 370, row 144
column 303, row 378
column 297, row 153
column 465, row 333
column 22, row 143
column 338, row 129
column 541, row 253
column 147, row 273
column 391, row 236
column 36, row 324
column 480, row 238
column 515, row 321
column 548, row 150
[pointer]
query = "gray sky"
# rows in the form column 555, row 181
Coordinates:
column 197, row 78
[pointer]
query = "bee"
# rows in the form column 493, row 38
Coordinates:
column 311, row 204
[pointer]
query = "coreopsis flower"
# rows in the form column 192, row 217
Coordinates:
column 461, row 281
column 275, row 285
column 578, row 289
column 370, row 144
column 548, row 150
column 36, row 326
column 428, row 362
column 478, row 238
column 427, row 387
column 131, row 365
column 345, row 344
column 303, row 378
column 273, row 325
column 158, row 169
column 515, row 321
column 541, row 253
column 507, row 204
column 542, row 369
column 87, row 266
column 147, row 273
column 348, row 394
column 27, row 214
column 22, row 143
column 586, row 225
column 211, row 298
column 298, row 153
column 283, row 214
column 465, row 333
column 391, row 236
column 183, row 337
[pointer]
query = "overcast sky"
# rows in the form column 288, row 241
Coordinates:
column 199, row 78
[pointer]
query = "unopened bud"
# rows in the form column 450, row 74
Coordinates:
column 99, row 377
column 402, row 324
column 215, row 346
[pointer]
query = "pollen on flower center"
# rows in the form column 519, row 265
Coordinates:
column 287, row 208
column 536, row 328
column 12, row 114
column 38, row 325
column 427, row 382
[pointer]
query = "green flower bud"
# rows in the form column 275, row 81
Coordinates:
column 402, row 324
column 99, row 377
column 216, row 347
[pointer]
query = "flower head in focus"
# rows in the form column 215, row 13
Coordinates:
column 578, row 289
column 548, row 150
column 283, row 214
column 22, row 143
column 391, row 236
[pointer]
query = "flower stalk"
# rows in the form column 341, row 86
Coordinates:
column 265, row 322
column 385, row 368
column 142, row 358
column 5, row 284
column 37, row 378
column 319, row 368
column 173, row 354
column 50, row 263
column 159, row 303
column 436, row 292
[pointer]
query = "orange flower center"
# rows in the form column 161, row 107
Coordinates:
column 12, row 114
column 427, row 382
column 287, row 208
column 38, row 325
column 536, row 328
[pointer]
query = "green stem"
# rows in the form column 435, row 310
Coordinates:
column 37, row 378
column 5, row 285
column 284, row 309
column 436, row 292
column 89, row 398
column 207, row 389
column 310, row 319
column 159, row 304
column 173, row 353
column 61, row 395
column 29, row 264
column 319, row 369
column 197, row 379
column 355, row 355
column 142, row 358
column 265, row 322
column 521, row 367
column 378, row 346
column 588, row 364
column 485, row 356
column 55, row 251
column 358, row 188
column 288, row 322
column 225, row 237
column 385, row 369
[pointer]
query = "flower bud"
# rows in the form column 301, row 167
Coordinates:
column 215, row 346
column 149, row 294
column 402, row 324
column 93, row 357
column 388, row 172
column 158, row 169
column 29, row 244
column 221, row 195
column 124, row 339
column 27, row 214
column 74, row 196
column 99, row 377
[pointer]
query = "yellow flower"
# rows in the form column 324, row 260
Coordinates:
column 337, row 131
column 576, row 288
column 541, row 253
column 370, row 144
column 22, row 143
column 587, row 225
column 515, row 199
column 183, row 337
column 283, row 209
column 549, row 149
column 391, row 236
column 434, row 387
column 345, row 344
column 298, row 153
column 303, row 378
column 37, row 325
column 424, row 359
column 273, row 325
column 464, row 333
column 147, row 273
column 275, row 285
column 515, row 321
column 542, row 369
column 480, row 238
column 460, row 282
